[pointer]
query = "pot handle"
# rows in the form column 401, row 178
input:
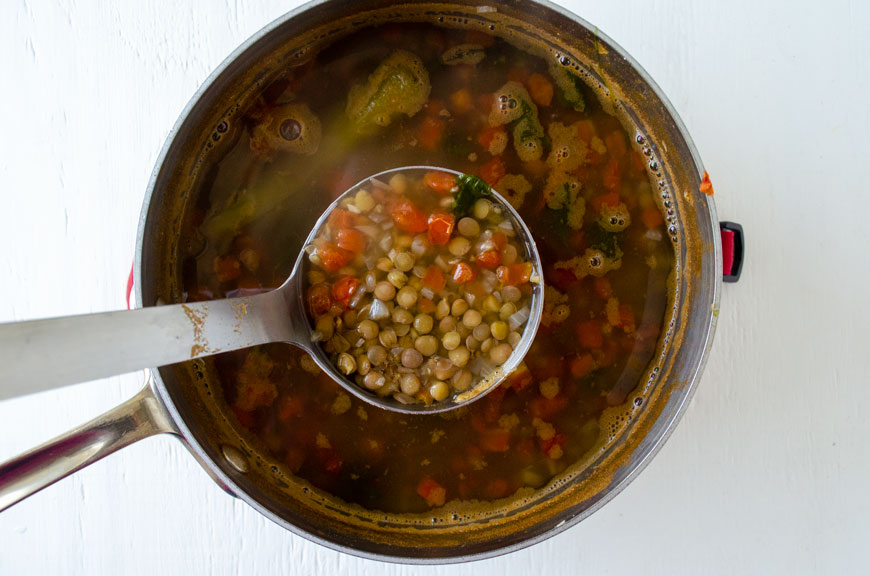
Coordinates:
column 732, row 250
column 139, row 417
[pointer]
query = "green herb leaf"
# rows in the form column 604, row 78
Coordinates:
column 469, row 190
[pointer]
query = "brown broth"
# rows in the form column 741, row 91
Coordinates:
column 369, row 456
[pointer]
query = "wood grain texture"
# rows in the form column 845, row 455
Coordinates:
column 764, row 475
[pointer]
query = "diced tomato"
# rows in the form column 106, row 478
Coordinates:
column 408, row 217
column 343, row 289
column 332, row 257
column 615, row 142
column 432, row 492
column 431, row 132
column 521, row 378
column 558, row 439
column 706, row 185
column 652, row 218
column 589, row 334
column 341, row 218
column 611, row 176
column 245, row 418
column 434, row 279
column 610, row 199
column 540, row 89
column 488, row 134
column 227, row 268
column 463, row 273
column 319, row 301
column 495, row 440
column 582, row 365
column 440, row 228
column 489, row 259
column 351, row 240
column 602, row 288
column 442, row 182
column 492, row 171
column 515, row 274
column 547, row 408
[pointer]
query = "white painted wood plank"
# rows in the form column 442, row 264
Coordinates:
column 765, row 475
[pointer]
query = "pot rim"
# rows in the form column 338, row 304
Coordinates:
column 634, row 466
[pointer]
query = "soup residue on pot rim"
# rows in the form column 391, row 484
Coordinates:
column 416, row 94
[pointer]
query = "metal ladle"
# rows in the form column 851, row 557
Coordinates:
column 41, row 355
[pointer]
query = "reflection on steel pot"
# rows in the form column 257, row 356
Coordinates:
column 185, row 399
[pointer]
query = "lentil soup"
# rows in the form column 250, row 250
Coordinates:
column 417, row 94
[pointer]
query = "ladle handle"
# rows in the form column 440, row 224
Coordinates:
column 45, row 354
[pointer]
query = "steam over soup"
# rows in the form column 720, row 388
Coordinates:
column 417, row 94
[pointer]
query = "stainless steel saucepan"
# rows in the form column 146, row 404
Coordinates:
column 178, row 399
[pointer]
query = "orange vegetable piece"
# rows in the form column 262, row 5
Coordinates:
column 497, row 488
column 706, row 185
column 540, row 89
column 488, row 134
column 341, row 218
column 319, row 301
column 408, row 217
column 425, row 305
column 589, row 334
column 492, row 171
column 611, row 176
column 290, row 407
column 431, row 132
column 434, row 279
column 500, row 240
column 332, row 257
column 582, row 365
column 227, row 268
column 489, row 259
column 626, row 317
column 652, row 218
column 495, row 440
column 521, row 378
column 351, row 240
column 610, row 199
column 514, row 274
column 602, row 288
column 343, row 289
column 440, row 228
column 432, row 492
column 462, row 101
column 245, row 418
column 586, row 130
column 441, row 182
column 547, row 408
column 463, row 273
column 615, row 142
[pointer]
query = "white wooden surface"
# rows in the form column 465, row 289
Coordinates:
column 765, row 475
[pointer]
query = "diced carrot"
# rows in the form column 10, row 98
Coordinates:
column 615, row 142
column 488, row 134
column 350, row 239
column 557, row 441
column 434, row 279
column 245, row 418
column 431, row 132
column 626, row 317
column 706, row 185
column 495, row 440
column 461, row 101
column 500, row 240
column 515, row 274
column 463, row 273
column 521, row 378
column 432, row 492
column 547, row 408
column 227, row 268
column 442, row 182
column 611, row 176
column 425, row 305
column 489, row 259
column 319, row 301
column 582, row 365
column 408, row 217
column 332, row 257
column 290, row 407
column 540, row 89
column 602, row 288
column 610, row 199
column 497, row 488
column 589, row 334
column 652, row 217
column 341, row 218
column 492, row 171
column 343, row 289
column 440, row 228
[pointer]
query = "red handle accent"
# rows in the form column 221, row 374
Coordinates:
column 130, row 285
column 727, row 251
